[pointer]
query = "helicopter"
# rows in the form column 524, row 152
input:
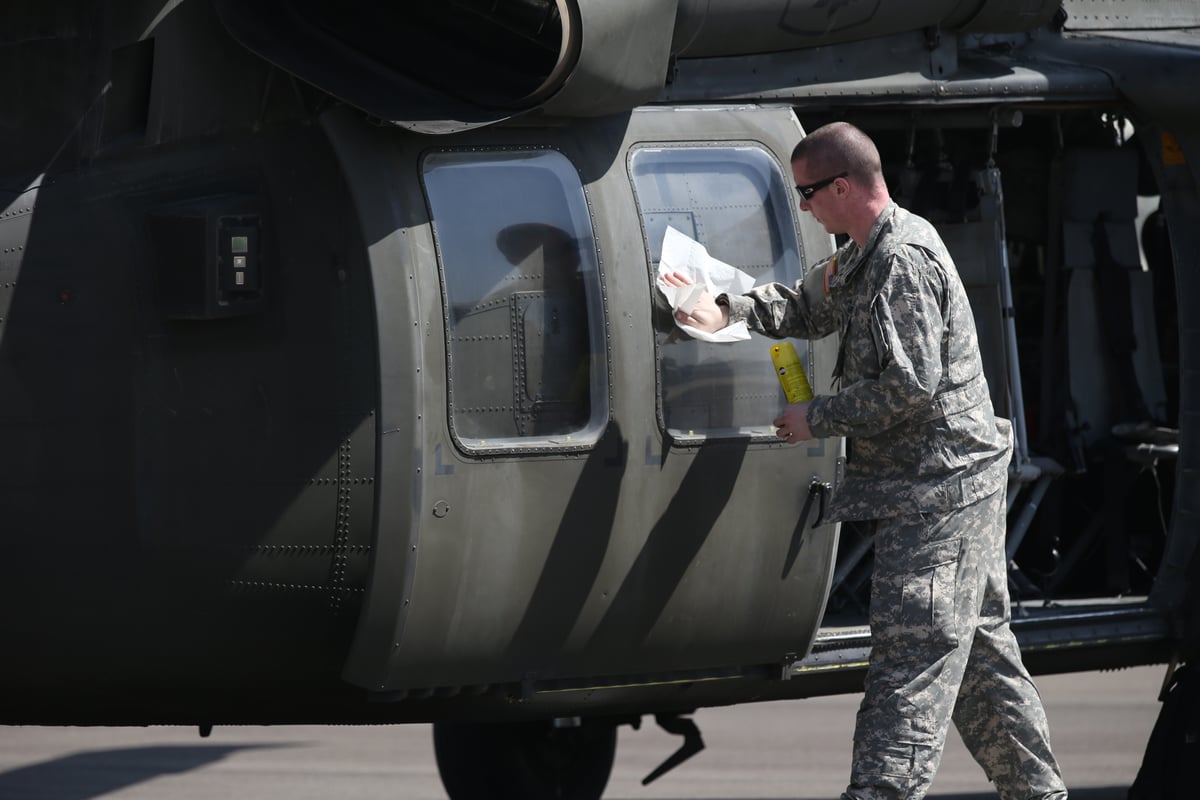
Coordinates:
column 336, row 386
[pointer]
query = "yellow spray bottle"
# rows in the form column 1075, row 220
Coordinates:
column 791, row 373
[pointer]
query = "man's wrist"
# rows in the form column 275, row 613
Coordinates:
column 722, row 301
column 812, row 417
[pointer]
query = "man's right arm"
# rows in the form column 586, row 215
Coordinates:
column 802, row 311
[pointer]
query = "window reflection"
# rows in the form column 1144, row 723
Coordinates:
column 734, row 201
column 522, row 295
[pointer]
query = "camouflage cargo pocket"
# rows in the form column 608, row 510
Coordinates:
column 927, row 610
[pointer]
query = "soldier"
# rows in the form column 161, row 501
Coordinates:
column 928, row 467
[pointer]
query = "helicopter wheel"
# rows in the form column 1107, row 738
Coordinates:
column 525, row 760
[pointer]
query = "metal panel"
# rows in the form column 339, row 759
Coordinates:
column 530, row 566
column 1118, row 15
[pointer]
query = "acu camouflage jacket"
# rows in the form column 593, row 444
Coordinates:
column 912, row 396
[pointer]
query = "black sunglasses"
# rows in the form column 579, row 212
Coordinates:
column 809, row 190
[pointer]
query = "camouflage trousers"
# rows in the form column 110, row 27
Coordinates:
column 942, row 650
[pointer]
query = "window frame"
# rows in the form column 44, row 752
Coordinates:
column 756, row 435
column 600, row 374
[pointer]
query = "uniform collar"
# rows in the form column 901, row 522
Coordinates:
column 851, row 256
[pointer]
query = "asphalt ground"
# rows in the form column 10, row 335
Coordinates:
column 1099, row 724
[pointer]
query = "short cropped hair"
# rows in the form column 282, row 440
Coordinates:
column 840, row 147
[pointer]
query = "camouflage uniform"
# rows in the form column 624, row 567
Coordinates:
column 928, row 464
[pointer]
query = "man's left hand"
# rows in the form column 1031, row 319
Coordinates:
column 793, row 423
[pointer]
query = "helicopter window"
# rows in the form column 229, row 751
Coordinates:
column 522, row 299
column 735, row 201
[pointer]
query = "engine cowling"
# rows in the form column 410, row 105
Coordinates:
column 447, row 65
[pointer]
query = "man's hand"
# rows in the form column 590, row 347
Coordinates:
column 706, row 314
column 793, row 423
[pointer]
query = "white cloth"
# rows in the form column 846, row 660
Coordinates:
column 683, row 254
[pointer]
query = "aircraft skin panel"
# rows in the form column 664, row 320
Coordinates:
column 619, row 545
column 1110, row 15
column 708, row 28
column 827, row 80
column 185, row 473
